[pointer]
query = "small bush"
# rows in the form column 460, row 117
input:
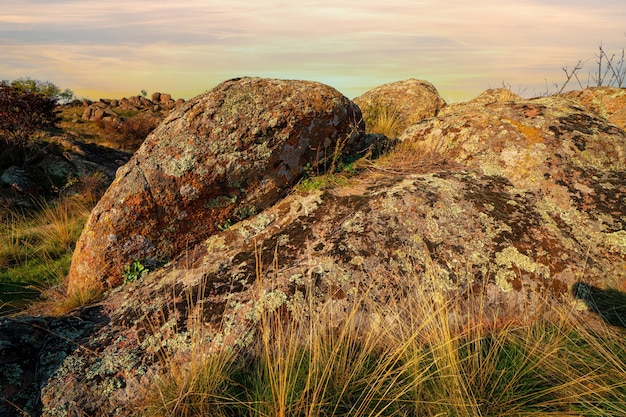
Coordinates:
column 129, row 134
column 134, row 271
column 22, row 114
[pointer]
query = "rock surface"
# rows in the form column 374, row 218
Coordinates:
column 490, row 96
column 225, row 155
column 521, row 200
column 407, row 101
column 18, row 179
column 607, row 102
column 63, row 164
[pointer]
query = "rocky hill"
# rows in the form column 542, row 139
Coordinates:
column 518, row 200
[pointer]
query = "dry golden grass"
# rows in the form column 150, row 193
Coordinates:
column 426, row 355
column 384, row 119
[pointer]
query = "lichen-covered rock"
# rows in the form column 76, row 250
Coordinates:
column 223, row 156
column 31, row 351
column 541, row 145
column 18, row 179
column 490, row 96
column 405, row 102
column 607, row 102
column 518, row 200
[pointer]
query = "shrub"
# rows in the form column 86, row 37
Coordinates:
column 45, row 88
column 24, row 113
column 129, row 133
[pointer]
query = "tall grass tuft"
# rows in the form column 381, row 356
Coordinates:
column 36, row 249
column 429, row 354
column 383, row 118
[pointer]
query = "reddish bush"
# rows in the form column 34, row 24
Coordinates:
column 24, row 113
column 129, row 133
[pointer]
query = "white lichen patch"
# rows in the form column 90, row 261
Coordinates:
column 215, row 242
column 282, row 240
column 296, row 279
column 260, row 222
column 189, row 192
column 178, row 166
column 268, row 302
column 357, row 260
column 578, row 223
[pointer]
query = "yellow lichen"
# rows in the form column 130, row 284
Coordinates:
column 503, row 280
column 532, row 134
column 357, row 260
column 510, row 257
column 617, row 240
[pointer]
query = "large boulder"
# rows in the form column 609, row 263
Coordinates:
column 487, row 97
column 225, row 155
column 399, row 104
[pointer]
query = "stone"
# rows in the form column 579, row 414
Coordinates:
column 155, row 97
column 18, row 179
column 165, row 98
column 98, row 111
column 607, row 102
column 487, row 97
column 407, row 101
column 32, row 349
column 223, row 156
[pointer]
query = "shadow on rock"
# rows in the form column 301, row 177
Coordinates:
column 33, row 348
column 609, row 304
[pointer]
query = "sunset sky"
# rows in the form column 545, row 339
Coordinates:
column 116, row 48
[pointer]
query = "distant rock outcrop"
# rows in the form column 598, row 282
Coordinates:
column 103, row 109
column 224, row 156
column 516, row 200
column 406, row 101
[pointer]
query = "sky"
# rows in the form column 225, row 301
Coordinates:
column 117, row 48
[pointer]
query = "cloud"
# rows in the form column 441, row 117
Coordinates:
column 193, row 44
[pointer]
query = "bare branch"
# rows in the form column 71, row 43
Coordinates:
column 569, row 75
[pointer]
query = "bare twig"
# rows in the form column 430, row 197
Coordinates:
column 569, row 75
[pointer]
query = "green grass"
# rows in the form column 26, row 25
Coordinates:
column 36, row 249
column 323, row 182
